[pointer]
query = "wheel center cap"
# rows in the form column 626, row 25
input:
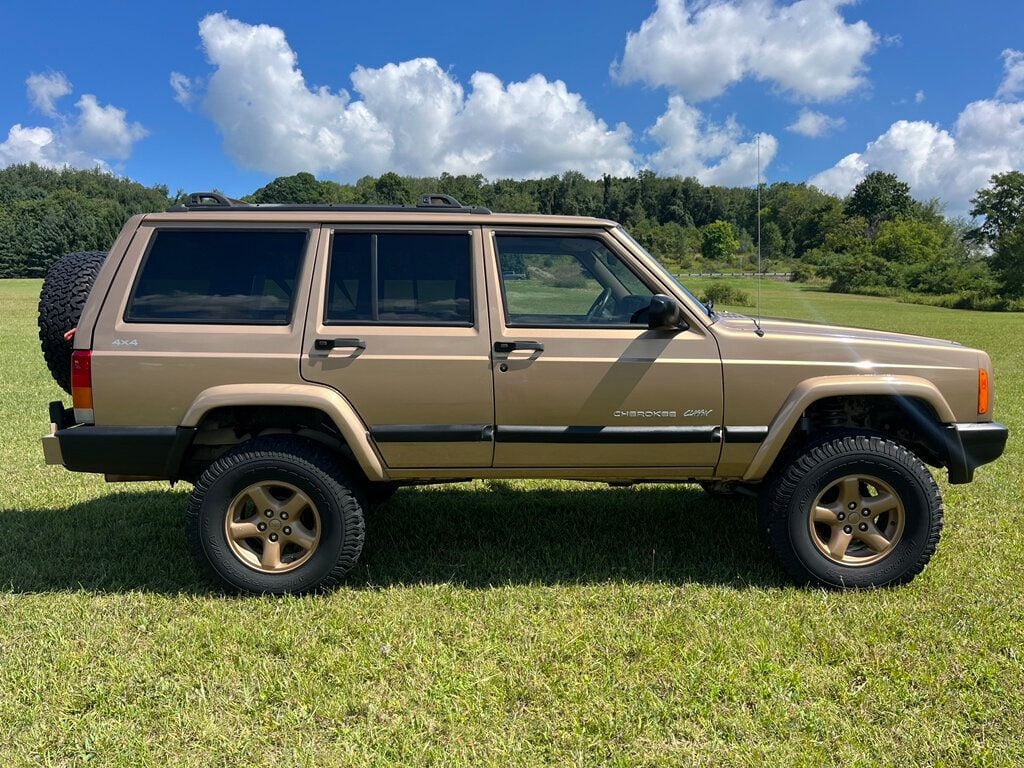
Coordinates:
column 275, row 525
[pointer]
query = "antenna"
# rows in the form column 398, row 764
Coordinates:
column 760, row 273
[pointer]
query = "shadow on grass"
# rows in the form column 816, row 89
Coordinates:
column 492, row 534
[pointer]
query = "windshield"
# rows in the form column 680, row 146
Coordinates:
column 666, row 273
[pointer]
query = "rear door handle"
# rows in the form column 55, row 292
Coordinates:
column 326, row 345
column 504, row 347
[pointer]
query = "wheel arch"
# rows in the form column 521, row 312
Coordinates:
column 913, row 393
column 335, row 408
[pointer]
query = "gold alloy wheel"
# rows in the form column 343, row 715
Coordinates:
column 857, row 520
column 272, row 527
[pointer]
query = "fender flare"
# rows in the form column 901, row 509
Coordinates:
column 325, row 399
column 810, row 391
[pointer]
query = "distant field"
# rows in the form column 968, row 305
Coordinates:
column 506, row 623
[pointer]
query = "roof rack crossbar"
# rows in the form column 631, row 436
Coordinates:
column 211, row 200
column 429, row 203
column 438, row 201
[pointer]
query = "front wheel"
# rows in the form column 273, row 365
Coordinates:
column 853, row 511
column 276, row 515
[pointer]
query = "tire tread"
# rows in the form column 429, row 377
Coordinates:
column 309, row 457
column 775, row 502
column 62, row 298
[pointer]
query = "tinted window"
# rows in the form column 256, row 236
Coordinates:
column 222, row 277
column 400, row 278
column 551, row 281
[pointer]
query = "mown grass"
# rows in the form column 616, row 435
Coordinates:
column 506, row 623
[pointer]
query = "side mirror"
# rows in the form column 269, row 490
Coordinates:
column 664, row 313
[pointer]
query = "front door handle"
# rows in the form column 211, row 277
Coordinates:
column 326, row 345
column 504, row 347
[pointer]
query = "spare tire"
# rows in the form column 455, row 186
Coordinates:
column 65, row 290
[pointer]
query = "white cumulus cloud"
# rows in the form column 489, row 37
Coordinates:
column 691, row 145
column 96, row 136
column 412, row 117
column 949, row 164
column 45, row 90
column 815, row 124
column 182, row 87
column 700, row 48
column 1013, row 81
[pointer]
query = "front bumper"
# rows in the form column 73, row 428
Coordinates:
column 969, row 445
column 151, row 452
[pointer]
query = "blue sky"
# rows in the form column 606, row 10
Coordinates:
column 946, row 69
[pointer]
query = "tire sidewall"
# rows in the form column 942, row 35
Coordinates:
column 913, row 493
column 213, row 538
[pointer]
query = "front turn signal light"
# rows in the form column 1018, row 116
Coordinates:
column 983, row 391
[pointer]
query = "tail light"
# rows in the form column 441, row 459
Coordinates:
column 983, row 391
column 81, row 384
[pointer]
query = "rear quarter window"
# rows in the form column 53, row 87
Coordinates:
column 222, row 277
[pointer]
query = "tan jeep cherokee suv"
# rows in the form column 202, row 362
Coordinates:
column 299, row 363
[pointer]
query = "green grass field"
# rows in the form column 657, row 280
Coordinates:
column 506, row 623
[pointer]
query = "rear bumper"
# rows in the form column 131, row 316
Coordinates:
column 970, row 445
column 153, row 452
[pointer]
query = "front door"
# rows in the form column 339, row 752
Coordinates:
column 579, row 379
column 398, row 326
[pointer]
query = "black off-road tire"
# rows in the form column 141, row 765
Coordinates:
column 65, row 290
column 303, row 464
column 791, row 493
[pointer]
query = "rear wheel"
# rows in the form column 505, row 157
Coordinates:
column 276, row 515
column 853, row 511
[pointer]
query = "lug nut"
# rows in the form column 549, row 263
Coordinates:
column 269, row 513
column 287, row 531
column 841, row 515
column 865, row 512
column 261, row 526
column 273, row 537
column 847, row 529
column 284, row 515
column 853, row 505
column 863, row 526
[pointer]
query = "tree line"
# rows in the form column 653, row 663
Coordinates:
column 878, row 240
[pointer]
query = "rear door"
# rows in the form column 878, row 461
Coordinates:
column 397, row 324
column 196, row 305
column 579, row 379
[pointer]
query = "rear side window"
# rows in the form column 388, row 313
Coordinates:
column 400, row 279
column 222, row 277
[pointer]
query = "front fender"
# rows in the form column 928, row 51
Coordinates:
column 812, row 390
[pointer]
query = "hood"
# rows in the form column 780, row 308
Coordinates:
column 795, row 329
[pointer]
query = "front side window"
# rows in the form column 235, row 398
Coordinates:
column 220, row 277
column 568, row 281
column 400, row 278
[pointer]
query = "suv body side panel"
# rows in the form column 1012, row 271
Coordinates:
column 150, row 374
column 304, row 395
column 770, row 380
column 604, row 396
column 97, row 297
column 424, row 392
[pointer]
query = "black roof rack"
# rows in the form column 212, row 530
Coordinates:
column 430, row 203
